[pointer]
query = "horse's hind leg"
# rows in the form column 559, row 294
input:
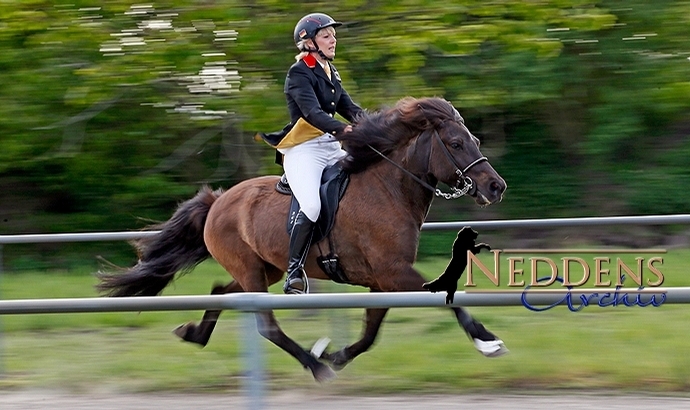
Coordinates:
column 202, row 332
column 486, row 342
column 268, row 327
column 372, row 323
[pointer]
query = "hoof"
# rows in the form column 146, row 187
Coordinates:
column 186, row 333
column 319, row 347
column 491, row 348
column 324, row 374
column 182, row 330
column 335, row 360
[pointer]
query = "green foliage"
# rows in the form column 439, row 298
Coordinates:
column 116, row 112
column 541, row 176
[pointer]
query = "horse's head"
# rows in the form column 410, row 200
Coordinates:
column 438, row 145
column 457, row 161
column 455, row 158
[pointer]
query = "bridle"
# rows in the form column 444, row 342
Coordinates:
column 467, row 183
column 464, row 184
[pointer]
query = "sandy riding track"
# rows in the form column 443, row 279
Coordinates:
column 33, row 400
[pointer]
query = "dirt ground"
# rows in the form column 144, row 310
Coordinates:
column 29, row 400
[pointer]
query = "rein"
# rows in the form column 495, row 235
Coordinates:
column 467, row 182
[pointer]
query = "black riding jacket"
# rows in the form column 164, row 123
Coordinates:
column 314, row 97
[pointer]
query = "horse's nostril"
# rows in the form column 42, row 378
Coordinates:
column 497, row 187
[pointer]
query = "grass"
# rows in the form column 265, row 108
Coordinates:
column 622, row 348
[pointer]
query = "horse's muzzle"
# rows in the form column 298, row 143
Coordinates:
column 489, row 192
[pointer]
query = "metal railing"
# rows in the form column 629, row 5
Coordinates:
column 248, row 303
column 430, row 226
column 253, row 302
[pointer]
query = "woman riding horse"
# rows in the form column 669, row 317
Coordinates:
column 396, row 158
column 314, row 94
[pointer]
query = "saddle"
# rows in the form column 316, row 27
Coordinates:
column 334, row 182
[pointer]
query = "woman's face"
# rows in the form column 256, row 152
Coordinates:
column 325, row 41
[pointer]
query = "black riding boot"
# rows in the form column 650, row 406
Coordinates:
column 300, row 239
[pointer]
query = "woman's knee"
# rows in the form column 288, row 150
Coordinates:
column 311, row 210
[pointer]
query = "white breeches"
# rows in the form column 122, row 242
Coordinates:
column 304, row 164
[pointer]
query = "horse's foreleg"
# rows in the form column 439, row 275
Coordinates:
column 201, row 333
column 268, row 327
column 485, row 341
column 372, row 323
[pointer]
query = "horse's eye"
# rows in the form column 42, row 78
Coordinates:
column 456, row 145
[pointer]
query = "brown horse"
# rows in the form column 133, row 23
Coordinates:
column 376, row 233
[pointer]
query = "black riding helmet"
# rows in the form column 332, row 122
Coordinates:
column 308, row 25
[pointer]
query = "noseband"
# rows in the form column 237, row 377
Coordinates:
column 464, row 183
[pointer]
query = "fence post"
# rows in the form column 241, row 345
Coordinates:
column 2, row 339
column 253, row 354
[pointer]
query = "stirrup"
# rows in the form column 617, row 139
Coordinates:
column 297, row 285
column 283, row 186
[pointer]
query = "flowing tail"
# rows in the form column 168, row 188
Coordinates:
column 178, row 247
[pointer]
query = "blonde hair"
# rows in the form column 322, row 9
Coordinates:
column 303, row 43
column 301, row 54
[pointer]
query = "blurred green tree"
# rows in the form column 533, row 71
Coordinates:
column 115, row 111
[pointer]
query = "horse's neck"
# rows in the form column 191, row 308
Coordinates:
column 415, row 160
column 400, row 190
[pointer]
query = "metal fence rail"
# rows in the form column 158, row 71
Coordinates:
column 253, row 302
column 430, row 226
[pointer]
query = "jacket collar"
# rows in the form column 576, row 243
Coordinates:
column 311, row 62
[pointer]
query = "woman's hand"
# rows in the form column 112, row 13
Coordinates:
column 348, row 128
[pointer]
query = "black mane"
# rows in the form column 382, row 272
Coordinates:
column 388, row 129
